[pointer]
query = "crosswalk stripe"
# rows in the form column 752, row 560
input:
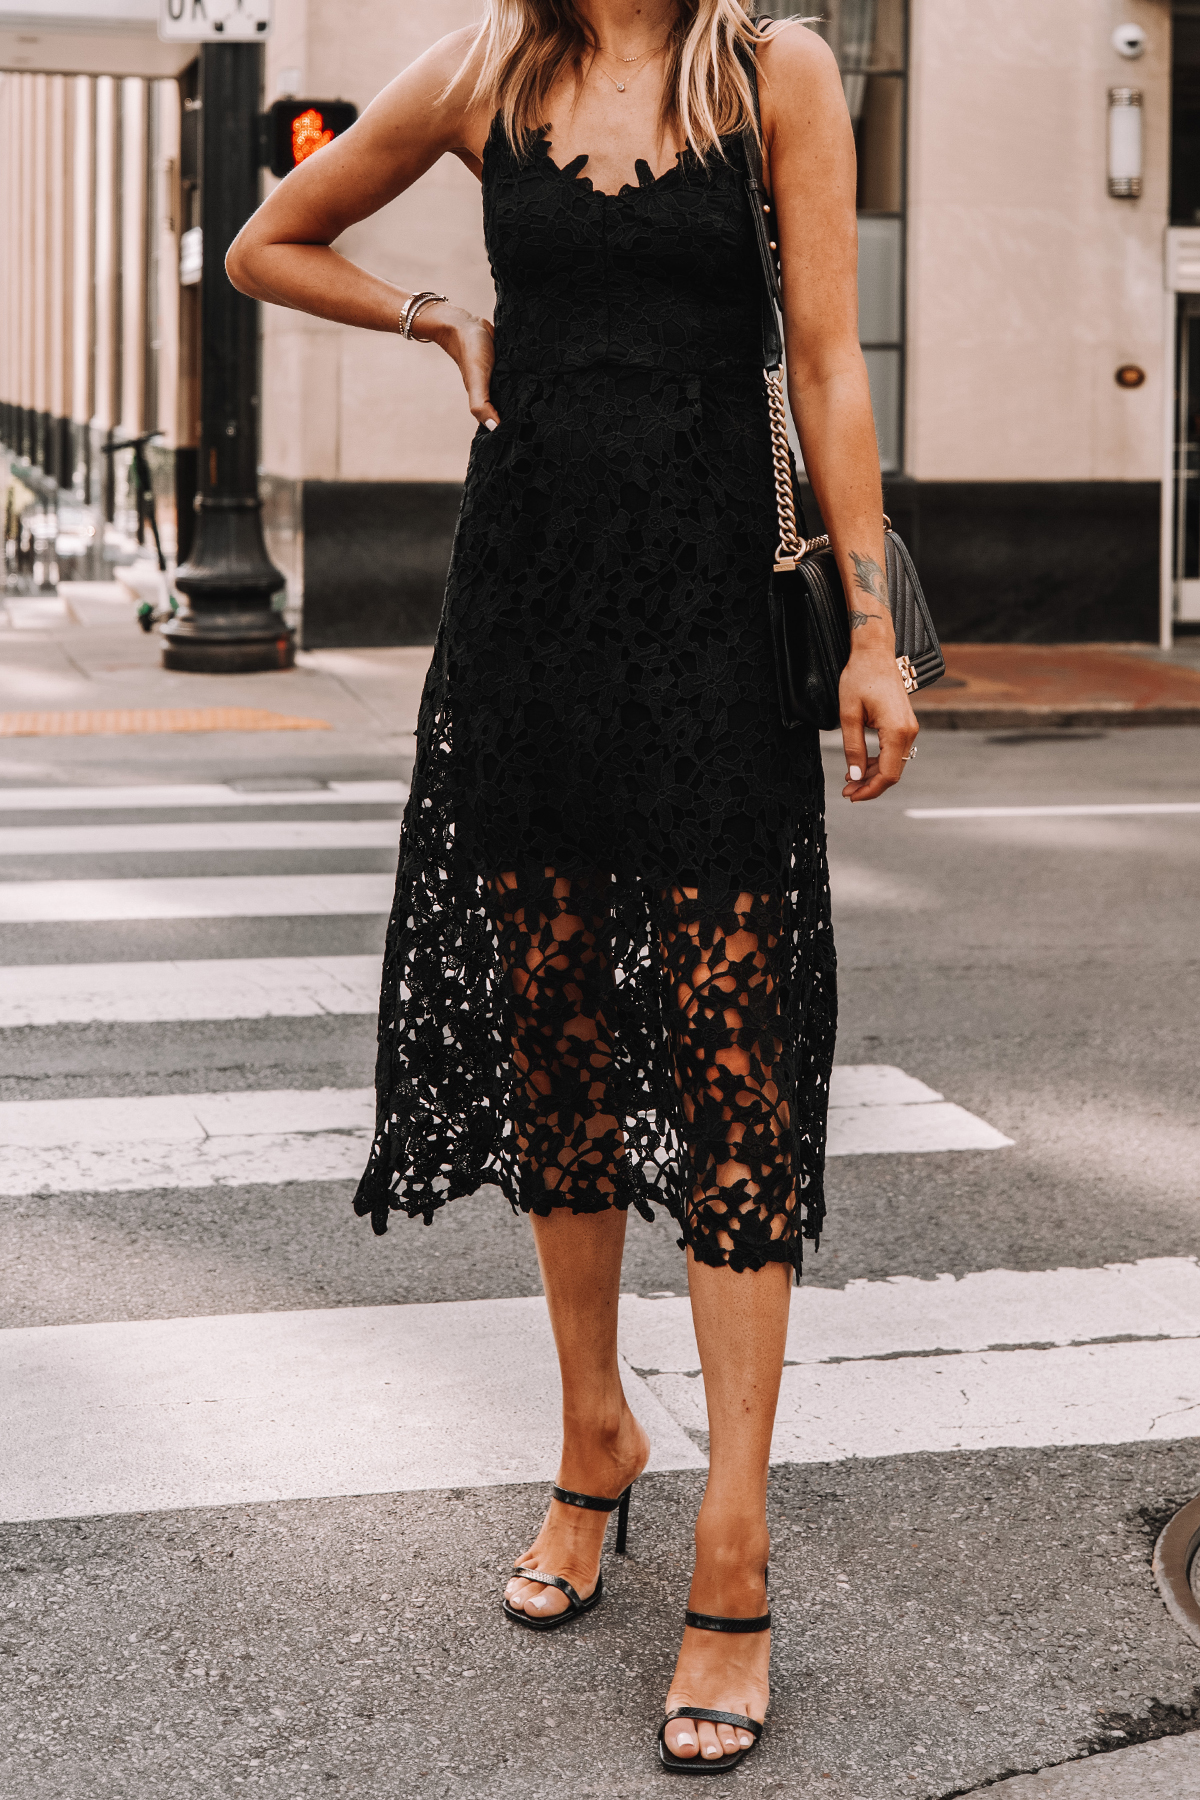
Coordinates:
column 1107, row 810
column 181, row 797
column 193, row 897
column 1158, row 1297
column 268, row 987
column 133, row 1417
column 129, row 1143
column 286, row 1405
column 260, row 896
column 908, row 1130
column 221, row 834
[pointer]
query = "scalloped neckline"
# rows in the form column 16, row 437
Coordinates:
column 572, row 171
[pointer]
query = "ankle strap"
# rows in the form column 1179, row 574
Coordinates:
column 710, row 1622
column 589, row 1502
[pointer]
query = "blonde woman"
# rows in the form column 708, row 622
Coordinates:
column 609, row 978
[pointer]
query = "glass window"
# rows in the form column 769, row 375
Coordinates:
column 869, row 39
column 1185, row 115
column 880, row 281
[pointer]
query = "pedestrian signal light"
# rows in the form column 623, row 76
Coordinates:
column 297, row 129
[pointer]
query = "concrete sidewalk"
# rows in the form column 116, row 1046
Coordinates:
column 997, row 687
column 1167, row 1769
column 79, row 669
column 84, row 652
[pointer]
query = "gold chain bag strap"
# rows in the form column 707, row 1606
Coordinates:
column 810, row 624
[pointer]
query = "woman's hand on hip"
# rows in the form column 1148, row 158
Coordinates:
column 470, row 342
column 872, row 693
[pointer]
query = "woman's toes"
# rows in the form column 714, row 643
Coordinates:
column 710, row 1743
column 681, row 1738
column 545, row 1602
column 729, row 1739
column 744, row 1740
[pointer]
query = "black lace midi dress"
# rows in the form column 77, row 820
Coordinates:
column 609, row 975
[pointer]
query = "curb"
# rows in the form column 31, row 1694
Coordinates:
column 1173, row 1553
column 1006, row 718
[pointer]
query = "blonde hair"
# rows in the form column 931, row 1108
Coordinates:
column 524, row 46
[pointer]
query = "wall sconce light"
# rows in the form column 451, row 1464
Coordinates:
column 1125, row 143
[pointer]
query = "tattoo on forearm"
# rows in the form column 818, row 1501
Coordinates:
column 869, row 578
column 857, row 619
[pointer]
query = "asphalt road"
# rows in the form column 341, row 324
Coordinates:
column 946, row 1618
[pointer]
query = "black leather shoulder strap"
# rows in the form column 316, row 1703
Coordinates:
column 759, row 200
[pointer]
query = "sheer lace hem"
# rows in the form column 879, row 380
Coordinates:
column 588, row 1040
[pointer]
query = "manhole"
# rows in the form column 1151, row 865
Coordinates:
column 1174, row 1556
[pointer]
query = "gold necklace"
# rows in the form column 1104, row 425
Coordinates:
column 621, row 85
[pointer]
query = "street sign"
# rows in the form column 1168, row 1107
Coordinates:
column 214, row 21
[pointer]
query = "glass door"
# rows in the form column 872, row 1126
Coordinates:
column 1187, row 463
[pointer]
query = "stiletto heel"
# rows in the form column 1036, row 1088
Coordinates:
column 623, row 1520
column 717, row 1765
column 576, row 1607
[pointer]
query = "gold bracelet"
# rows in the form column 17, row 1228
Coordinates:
column 408, row 316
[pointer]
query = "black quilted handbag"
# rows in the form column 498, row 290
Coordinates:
column 810, row 624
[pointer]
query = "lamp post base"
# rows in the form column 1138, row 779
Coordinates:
column 228, row 625
column 227, row 644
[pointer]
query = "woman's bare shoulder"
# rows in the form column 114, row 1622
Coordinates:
column 432, row 97
column 454, row 52
column 798, row 67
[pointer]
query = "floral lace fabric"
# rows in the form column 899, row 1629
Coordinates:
column 609, row 977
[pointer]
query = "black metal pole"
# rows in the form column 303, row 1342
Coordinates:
column 228, row 624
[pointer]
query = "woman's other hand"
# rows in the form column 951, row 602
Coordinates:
column 470, row 342
column 872, row 694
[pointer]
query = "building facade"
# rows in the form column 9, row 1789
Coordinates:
column 1029, row 222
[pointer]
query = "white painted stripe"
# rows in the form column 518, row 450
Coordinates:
column 230, row 1160
column 905, row 1316
column 1115, row 810
column 276, row 987
column 132, row 1417
column 124, row 1143
column 88, row 799
column 1101, row 1394
column 863, row 1380
column 184, row 1141
column 194, row 897
column 182, row 1118
column 286, row 1405
column 877, row 1084
column 908, row 1130
column 220, row 834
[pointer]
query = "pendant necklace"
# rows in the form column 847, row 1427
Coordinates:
column 620, row 85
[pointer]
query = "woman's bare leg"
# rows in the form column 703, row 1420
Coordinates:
column 604, row 1447
column 741, row 1328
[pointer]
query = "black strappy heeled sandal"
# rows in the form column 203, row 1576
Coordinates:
column 715, row 1765
column 577, row 1607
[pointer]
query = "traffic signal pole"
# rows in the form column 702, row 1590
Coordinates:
column 228, row 623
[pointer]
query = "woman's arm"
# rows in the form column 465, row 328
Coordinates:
column 809, row 150
column 282, row 254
